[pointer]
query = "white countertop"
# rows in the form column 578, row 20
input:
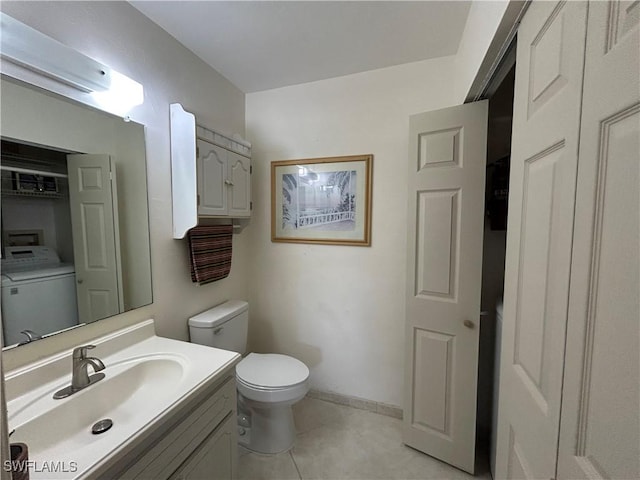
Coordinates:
column 147, row 379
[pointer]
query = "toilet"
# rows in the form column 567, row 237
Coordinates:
column 268, row 384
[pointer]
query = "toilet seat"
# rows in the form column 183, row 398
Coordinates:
column 266, row 389
column 271, row 371
column 272, row 378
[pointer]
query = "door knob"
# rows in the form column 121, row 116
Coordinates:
column 469, row 324
column 80, row 281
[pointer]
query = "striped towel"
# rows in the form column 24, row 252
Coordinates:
column 210, row 252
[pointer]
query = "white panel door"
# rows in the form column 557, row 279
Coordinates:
column 600, row 429
column 446, row 210
column 211, row 166
column 544, row 158
column 95, row 236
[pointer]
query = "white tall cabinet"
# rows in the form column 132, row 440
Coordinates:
column 210, row 173
column 570, row 368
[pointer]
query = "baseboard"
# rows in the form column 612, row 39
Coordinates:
column 356, row 402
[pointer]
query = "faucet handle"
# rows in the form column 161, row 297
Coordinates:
column 80, row 353
column 31, row 336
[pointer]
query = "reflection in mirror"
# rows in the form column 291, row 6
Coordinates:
column 75, row 230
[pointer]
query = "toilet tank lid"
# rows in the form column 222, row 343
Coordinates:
column 218, row 315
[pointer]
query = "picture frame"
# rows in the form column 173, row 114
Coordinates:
column 322, row 200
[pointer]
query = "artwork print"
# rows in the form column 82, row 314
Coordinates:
column 322, row 200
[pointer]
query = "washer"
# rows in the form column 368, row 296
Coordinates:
column 38, row 293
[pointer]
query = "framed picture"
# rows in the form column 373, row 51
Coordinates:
column 322, row 200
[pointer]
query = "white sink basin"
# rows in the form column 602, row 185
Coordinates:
column 120, row 396
column 143, row 384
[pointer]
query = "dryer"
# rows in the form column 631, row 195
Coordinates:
column 38, row 293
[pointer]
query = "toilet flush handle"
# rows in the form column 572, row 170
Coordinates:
column 217, row 331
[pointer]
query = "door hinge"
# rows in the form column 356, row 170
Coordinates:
column 197, row 151
column 250, row 169
column 250, row 205
column 198, row 200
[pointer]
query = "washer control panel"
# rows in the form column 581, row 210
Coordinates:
column 28, row 257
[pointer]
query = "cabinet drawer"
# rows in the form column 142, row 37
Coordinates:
column 180, row 440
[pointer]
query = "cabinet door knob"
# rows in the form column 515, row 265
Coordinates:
column 228, row 182
column 469, row 324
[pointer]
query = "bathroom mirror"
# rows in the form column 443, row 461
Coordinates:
column 75, row 229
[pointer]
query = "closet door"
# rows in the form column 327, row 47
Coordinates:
column 600, row 429
column 444, row 271
column 548, row 92
column 96, row 235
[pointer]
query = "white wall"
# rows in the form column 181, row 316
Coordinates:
column 340, row 309
column 482, row 23
column 118, row 35
column 20, row 213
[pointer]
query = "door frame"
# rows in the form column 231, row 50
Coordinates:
column 495, row 63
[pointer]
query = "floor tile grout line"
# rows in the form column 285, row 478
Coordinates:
column 295, row 464
column 347, row 408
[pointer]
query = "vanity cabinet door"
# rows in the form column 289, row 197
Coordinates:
column 215, row 459
column 211, row 167
column 176, row 447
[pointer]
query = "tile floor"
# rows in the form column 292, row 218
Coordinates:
column 339, row 442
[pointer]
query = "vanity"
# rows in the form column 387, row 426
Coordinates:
column 172, row 406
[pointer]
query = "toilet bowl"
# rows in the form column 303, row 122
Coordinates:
column 268, row 384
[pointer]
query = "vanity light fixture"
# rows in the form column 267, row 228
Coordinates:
column 25, row 46
column 121, row 96
column 36, row 51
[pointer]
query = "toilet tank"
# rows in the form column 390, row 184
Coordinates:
column 224, row 326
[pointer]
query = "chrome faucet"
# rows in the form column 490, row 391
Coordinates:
column 80, row 376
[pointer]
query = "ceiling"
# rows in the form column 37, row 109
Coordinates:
column 260, row 45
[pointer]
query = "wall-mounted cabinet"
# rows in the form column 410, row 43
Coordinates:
column 210, row 173
column 223, row 181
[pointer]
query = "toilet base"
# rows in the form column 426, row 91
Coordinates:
column 272, row 427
